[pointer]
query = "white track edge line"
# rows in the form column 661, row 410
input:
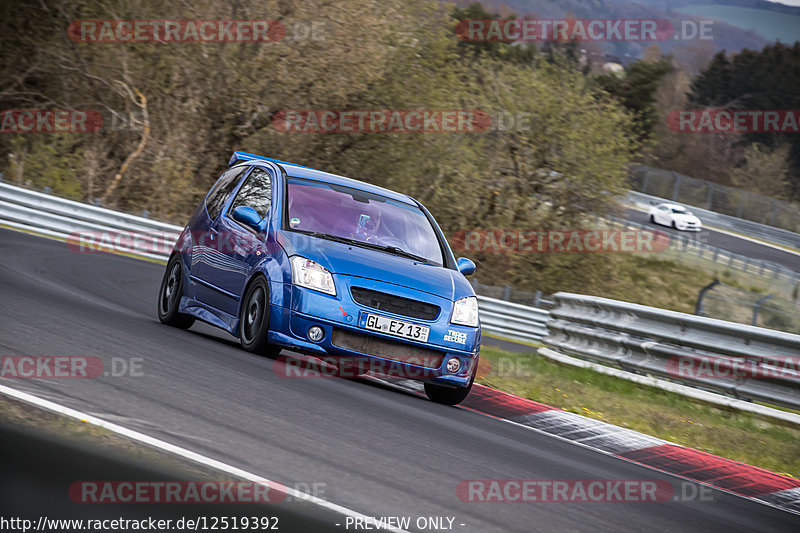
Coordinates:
column 177, row 450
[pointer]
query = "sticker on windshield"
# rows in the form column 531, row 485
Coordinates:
column 293, row 222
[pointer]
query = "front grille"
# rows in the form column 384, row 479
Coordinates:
column 395, row 351
column 395, row 304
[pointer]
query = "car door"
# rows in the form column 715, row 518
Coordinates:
column 239, row 247
column 669, row 216
column 204, row 242
column 662, row 215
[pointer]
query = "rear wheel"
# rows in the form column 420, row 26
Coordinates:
column 449, row 395
column 254, row 321
column 169, row 296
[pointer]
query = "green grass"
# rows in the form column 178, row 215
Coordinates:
column 672, row 281
column 735, row 435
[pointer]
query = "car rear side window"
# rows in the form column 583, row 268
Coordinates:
column 256, row 192
column 220, row 192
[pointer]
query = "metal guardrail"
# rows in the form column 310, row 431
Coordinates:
column 83, row 223
column 745, row 362
column 727, row 222
column 513, row 321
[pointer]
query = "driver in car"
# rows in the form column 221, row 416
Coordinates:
column 367, row 227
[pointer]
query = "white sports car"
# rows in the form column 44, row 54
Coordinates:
column 676, row 216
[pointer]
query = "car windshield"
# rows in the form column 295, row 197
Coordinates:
column 362, row 217
column 680, row 211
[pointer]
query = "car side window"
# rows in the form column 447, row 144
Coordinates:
column 256, row 192
column 220, row 192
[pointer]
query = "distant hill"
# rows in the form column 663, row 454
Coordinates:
column 739, row 24
column 774, row 26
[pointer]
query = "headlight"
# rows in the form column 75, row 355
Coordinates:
column 465, row 312
column 306, row 273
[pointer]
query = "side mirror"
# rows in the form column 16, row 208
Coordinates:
column 466, row 266
column 247, row 216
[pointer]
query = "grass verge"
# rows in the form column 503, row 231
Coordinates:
column 735, row 435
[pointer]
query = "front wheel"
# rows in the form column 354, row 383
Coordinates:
column 169, row 296
column 449, row 395
column 254, row 321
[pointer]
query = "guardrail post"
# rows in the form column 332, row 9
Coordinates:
column 676, row 187
column 757, row 306
column 774, row 210
column 698, row 308
column 507, row 293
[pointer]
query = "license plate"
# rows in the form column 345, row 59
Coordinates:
column 390, row 326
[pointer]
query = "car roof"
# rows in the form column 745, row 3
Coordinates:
column 298, row 171
column 672, row 206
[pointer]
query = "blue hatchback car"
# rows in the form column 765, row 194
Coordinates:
column 285, row 256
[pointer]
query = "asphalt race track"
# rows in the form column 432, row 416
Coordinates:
column 726, row 241
column 378, row 451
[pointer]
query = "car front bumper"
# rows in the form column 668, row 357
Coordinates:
column 386, row 354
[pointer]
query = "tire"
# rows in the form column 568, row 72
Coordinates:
column 652, row 219
column 254, row 320
column 450, row 395
column 674, row 226
column 169, row 296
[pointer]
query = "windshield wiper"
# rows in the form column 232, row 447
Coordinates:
column 328, row 236
column 394, row 250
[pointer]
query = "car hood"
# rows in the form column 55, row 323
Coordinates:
column 685, row 218
column 351, row 260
